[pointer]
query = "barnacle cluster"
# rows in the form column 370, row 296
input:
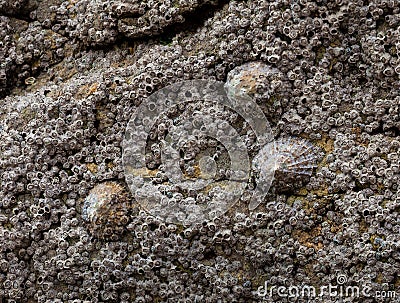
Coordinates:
column 16, row 8
column 335, row 85
column 102, row 23
column 26, row 49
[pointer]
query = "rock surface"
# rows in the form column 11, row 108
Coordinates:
column 72, row 73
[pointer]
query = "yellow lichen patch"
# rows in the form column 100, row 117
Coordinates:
column 71, row 3
column 291, row 199
column 8, row 226
column 101, row 114
column 320, row 53
column 248, row 83
column 274, row 99
column 93, row 88
column 302, row 192
column 375, row 244
column 103, row 118
column 197, row 173
column 336, row 42
column 142, row 172
column 86, row 90
column 321, row 192
column 113, row 86
column 380, row 187
column 305, row 238
column 27, row 114
column 92, row 167
column 36, row 64
column 363, row 227
column 356, row 130
column 110, row 165
column 335, row 228
column 304, row 136
column 326, row 144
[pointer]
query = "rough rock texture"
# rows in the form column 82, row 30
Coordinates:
column 72, row 73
